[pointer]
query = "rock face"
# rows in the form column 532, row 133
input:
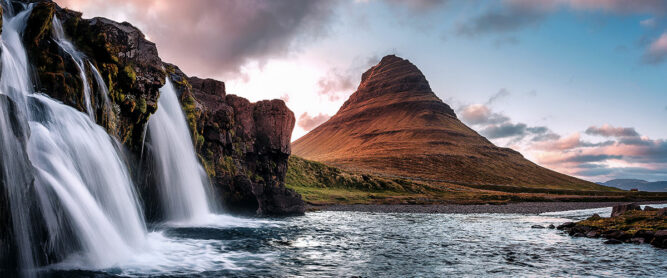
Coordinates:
column 395, row 125
column 621, row 209
column 127, row 62
column 628, row 224
column 244, row 146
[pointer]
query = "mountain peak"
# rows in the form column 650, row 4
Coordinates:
column 393, row 79
column 395, row 125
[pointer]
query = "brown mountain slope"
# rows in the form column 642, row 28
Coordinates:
column 395, row 125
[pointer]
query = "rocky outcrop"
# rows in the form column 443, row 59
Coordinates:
column 244, row 146
column 627, row 224
column 394, row 125
column 622, row 209
column 127, row 62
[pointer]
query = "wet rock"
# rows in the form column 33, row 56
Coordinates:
column 660, row 239
column 593, row 234
column 637, row 240
column 650, row 208
column 594, row 217
column 551, row 226
column 621, row 209
column 646, row 235
column 578, row 235
column 613, row 241
column 537, row 227
column 566, row 225
column 662, row 212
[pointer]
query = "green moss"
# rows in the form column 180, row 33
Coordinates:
column 142, row 105
column 631, row 222
column 130, row 75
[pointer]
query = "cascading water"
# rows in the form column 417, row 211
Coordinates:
column 84, row 189
column 182, row 180
column 79, row 60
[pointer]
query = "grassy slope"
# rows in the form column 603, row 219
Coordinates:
column 321, row 184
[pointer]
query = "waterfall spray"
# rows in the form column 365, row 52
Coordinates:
column 181, row 179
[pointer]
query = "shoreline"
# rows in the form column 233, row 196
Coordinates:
column 520, row 208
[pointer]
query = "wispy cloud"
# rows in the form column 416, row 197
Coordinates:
column 657, row 50
column 308, row 122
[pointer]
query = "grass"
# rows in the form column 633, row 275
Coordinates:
column 321, row 184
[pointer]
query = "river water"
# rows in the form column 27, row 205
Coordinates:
column 345, row 244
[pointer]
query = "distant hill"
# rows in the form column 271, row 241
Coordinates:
column 642, row 185
column 395, row 126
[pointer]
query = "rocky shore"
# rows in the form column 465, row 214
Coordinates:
column 524, row 207
column 628, row 223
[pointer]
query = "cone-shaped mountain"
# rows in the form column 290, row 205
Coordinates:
column 395, row 125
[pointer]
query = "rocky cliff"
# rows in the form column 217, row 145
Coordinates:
column 395, row 125
column 244, row 146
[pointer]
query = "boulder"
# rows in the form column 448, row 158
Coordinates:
column 594, row 217
column 566, row 225
column 660, row 239
column 593, row 234
column 551, row 226
column 621, row 209
column 537, row 227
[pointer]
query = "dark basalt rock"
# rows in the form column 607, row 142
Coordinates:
column 566, row 225
column 613, row 241
column 621, row 209
column 244, row 146
column 127, row 62
column 631, row 226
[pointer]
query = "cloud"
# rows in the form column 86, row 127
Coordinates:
column 610, row 131
column 504, row 130
column 337, row 83
column 285, row 98
column 502, row 20
column 308, row 122
column 658, row 7
column 334, row 83
column 502, row 93
column 418, row 5
column 479, row 114
column 656, row 51
column 592, row 158
column 649, row 22
column 209, row 38
column 624, row 157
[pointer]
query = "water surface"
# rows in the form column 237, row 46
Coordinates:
column 386, row 245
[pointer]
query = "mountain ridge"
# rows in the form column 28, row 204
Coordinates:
column 395, row 125
column 642, row 185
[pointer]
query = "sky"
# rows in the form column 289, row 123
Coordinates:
column 578, row 86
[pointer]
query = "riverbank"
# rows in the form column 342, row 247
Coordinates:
column 523, row 207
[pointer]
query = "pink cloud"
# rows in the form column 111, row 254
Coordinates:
column 657, row 51
column 607, row 130
column 308, row 122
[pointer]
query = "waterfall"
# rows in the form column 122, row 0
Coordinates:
column 78, row 57
column 84, row 188
column 181, row 179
